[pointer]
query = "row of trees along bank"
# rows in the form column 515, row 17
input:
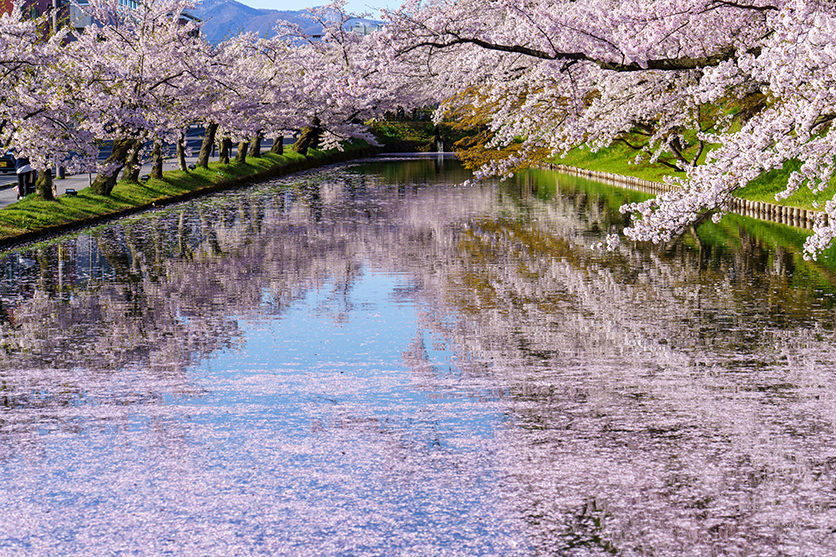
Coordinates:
column 721, row 91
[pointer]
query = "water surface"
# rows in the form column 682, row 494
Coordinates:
column 373, row 360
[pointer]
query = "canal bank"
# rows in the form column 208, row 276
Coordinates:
column 34, row 218
column 762, row 210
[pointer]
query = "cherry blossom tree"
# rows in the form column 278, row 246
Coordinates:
column 345, row 78
column 37, row 117
column 753, row 78
column 327, row 84
column 253, row 78
column 139, row 73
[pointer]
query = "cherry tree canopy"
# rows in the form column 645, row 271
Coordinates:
column 35, row 96
column 754, row 79
column 343, row 77
column 141, row 73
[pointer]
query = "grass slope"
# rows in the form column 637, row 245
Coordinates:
column 618, row 159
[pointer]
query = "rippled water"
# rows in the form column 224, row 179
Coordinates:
column 372, row 360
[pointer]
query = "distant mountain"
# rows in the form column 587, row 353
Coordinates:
column 226, row 18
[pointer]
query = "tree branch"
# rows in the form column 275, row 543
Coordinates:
column 664, row 64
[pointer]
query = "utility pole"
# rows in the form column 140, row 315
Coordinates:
column 55, row 17
column 59, row 170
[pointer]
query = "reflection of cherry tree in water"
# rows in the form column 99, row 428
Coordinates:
column 160, row 293
column 155, row 293
column 648, row 395
column 656, row 407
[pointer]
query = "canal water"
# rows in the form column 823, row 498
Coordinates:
column 375, row 360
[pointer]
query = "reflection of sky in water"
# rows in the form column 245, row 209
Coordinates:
column 362, row 365
column 313, row 436
column 344, row 349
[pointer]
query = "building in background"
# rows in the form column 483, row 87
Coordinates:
column 63, row 13
column 37, row 8
column 365, row 26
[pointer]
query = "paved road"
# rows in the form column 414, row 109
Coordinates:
column 8, row 180
column 8, row 191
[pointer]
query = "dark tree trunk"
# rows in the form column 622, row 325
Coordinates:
column 206, row 146
column 309, row 138
column 241, row 155
column 157, row 156
column 226, row 147
column 45, row 186
column 105, row 181
column 47, row 263
column 132, row 166
column 255, row 150
column 209, row 232
column 181, row 152
column 278, row 145
column 135, row 170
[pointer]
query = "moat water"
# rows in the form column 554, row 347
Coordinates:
column 373, row 359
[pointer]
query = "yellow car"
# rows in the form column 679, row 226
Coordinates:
column 7, row 162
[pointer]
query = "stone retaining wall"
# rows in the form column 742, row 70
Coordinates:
column 791, row 216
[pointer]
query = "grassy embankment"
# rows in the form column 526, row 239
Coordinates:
column 32, row 217
column 619, row 159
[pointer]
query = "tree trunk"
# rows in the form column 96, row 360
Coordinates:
column 278, row 145
column 132, row 165
column 44, row 185
column 206, row 146
column 255, row 150
column 309, row 138
column 181, row 152
column 208, row 230
column 47, row 264
column 136, row 167
column 241, row 155
column 157, row 156
column 226, row 146
column 106, row 180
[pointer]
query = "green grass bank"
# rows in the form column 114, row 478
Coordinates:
column 32, row 218
column 618, row 159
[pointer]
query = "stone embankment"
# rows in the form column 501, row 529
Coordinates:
column 771, row 212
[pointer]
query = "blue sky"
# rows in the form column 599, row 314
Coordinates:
column 353, row 5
